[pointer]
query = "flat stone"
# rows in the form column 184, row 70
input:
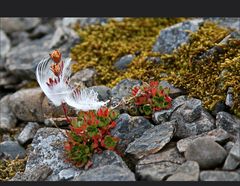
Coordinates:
column 233, row 158
column 128, row 129
column 13, row 24
column 87, row 76
column 39, row 173
column 218, row 135
column 12, row 149
column 8, row 119
column 228, row 122
column 106, row 173
column 188, row 171
column 28, row 132
column 219, row 176
column 123, row 62
column 206, row 152
column 151, row 141
column 172, row 37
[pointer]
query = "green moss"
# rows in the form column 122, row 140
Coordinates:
column 202, row 77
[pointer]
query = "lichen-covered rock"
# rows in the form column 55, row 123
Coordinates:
column 106, row 173
column 8, row 119
column 151, row 141
column 206, row 152
column 87, row 76
column 28, row 132
column 4, row 43
column 172, row 37
column 217, row 135
column 10, row 25
column 233, row 158
column 128, row 129
column 188, row 171
column 123, row 62
column 38, row 173
column 219, row 176
column 11, row 149
column 228, row 122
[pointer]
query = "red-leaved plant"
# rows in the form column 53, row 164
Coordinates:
column 150, row 97
column 90, row 133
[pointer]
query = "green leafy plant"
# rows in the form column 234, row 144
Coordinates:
column 150, row 97
column 90, row 133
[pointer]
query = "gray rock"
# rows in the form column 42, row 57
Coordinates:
column 174, row 92
column 104, row 92
column 229, row 97
column 228, row 146
column 204, row 122
column 151, row 141
column 156, row 172
column 41, row 30
column 229, row 22
column 217, row 135
column 23, row 58
column 173, row 36
column 128, row 129
column 26, row 104
column 66, row 174
column 123, row 62
column 19, row 37
column 219, row 176
column 83, row 21
column 206, row 152
column 188, row 171
column 4, row 43
column 228, row 122
column 12, row 149
column 123, row 89
column 39, row 173
column 10, row 25
column 87, row 76
column 28, row 132
column 106, row 173
column 47, row 149
column 219, row 107
column 7, row 79
column 8, row 119
column 164, row 115
column 233, row 158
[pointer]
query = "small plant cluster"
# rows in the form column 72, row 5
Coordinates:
column 90, row 133
column 150, row 97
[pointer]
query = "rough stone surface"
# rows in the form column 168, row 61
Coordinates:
column 153, row 140
column 173, row 36
column 217, row 135
column 203, row 121
column 26, row 104
column 174, row 92
column 164, row 115
column 106, row 173
column 228, row 146
column 188, row 171
column 123, row 62
column 10, row 25
column 8, row 119
column 71, row 21
column 233, row 158
column 228, row 122
column 66, row 174
column 87, row 76
column 219, row 176
column 39, row 173
column 7, row 79
column 219, row 107
column 229, row 98
column 28, row 132
column 128, row 129
column 47, row 149
column 11, row 149
column 230, row 22
column 4, row 43
column 206, row 152
column 19, row 37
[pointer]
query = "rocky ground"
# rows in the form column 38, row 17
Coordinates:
column 184, row 143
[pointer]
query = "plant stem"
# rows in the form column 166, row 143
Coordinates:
column 65, row 112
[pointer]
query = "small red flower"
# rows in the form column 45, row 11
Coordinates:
column 56, row 56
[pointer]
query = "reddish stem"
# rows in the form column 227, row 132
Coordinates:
column 65, row 112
